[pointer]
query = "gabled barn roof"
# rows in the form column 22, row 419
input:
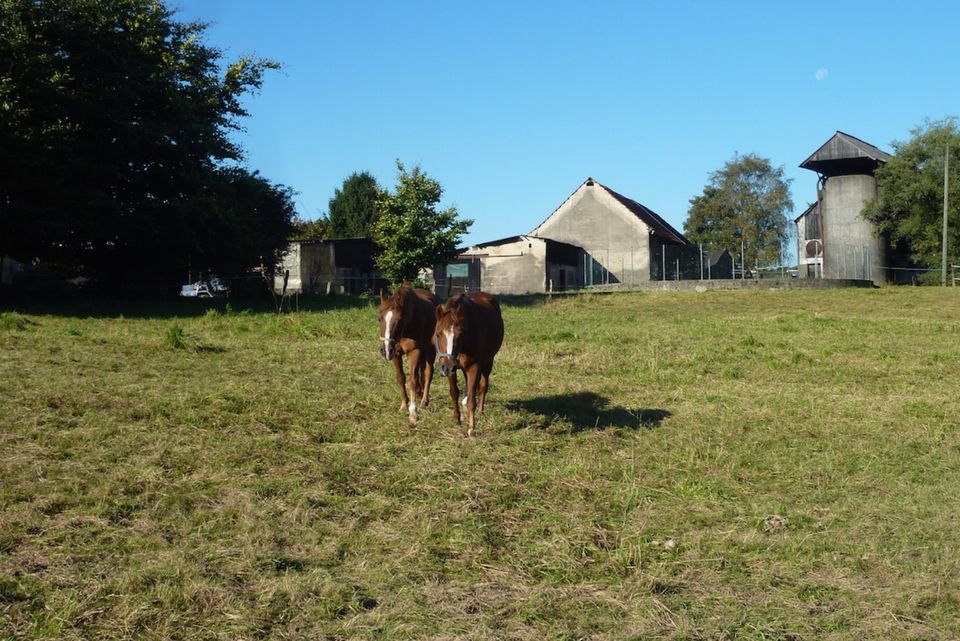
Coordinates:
column 651, row 219
column 844, row 154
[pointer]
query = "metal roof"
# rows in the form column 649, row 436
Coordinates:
column 514, row 239
column 845, row 154
column 650, row 218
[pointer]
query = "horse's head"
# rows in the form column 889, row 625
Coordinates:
column 392, row 321
column 446, row 337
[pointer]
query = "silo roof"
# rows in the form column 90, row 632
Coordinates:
column 845, row 154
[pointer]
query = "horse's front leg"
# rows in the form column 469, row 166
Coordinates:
column 401, row 381
column 473, row 376
column 454, row 395
column 428, row 357
column 413, row 361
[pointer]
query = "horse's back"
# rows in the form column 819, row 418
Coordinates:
column 488, row 310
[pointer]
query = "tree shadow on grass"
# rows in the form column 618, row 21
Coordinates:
column 588, row 411
column 77, row 306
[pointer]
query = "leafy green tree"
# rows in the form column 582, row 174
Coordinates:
column 745, row 201
column 909, row 204
column 309, row 229
column 115, row 123
column 410, row 230
column 353, row 208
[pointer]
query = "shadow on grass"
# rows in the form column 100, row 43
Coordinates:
column 76, row 306
column 589, row 411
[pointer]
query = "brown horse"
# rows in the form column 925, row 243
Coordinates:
column 468, row 334
column 406, row 326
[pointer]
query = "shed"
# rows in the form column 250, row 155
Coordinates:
column 338, row 264
column 515, row 265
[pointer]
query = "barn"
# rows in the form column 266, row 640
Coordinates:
column 623, row 241
column 595, row 237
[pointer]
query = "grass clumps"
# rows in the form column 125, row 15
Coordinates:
column 14, row 322
column 177, row 338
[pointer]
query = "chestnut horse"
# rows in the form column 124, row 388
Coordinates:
column 406, row 325
column 468, row 334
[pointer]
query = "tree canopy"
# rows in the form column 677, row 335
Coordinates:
column 353, row 208
column 115, row 148
column 310, row 229
column 909, row 204
column 410, row 230
column 746, row 201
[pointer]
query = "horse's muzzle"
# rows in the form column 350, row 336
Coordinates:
column 447, row 368
column 387, row 352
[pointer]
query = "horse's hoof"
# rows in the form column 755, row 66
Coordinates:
column 413, row 420
column 472, row 432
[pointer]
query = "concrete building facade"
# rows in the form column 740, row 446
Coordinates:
column 515, row 265
column 623, row 241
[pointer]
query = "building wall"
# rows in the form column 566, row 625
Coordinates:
column 606, row 230
column 851, row 246
column 291, row 263
column 514, row 268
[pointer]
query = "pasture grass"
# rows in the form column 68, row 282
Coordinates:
column 724, row 465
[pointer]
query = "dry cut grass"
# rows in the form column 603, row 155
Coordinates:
column 725, row 465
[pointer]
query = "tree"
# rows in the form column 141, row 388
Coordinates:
column 310, row 229
column 909, row 204
column 746, row 201
column 353, row 208
column 411, row 232
column 115, row 149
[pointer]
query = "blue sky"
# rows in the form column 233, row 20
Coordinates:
column 511, row 105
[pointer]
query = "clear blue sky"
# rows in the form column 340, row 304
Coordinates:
column 511, row 105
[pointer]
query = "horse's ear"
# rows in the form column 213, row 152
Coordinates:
column 406, row 283
column 383, row 297
column 459, row 312
column 439, row 311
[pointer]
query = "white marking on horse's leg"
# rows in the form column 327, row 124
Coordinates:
column 464, row 401
column 412, row 411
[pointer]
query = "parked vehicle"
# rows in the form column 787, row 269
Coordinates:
column 205, row 289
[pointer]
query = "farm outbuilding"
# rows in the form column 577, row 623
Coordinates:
column 515, row 265
column 622, row 240
column 326, row 266
column 595, row 237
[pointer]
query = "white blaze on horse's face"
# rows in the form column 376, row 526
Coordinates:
column 448, row 335
column 386, row 338
column 387, row 327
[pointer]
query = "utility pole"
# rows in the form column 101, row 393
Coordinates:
column 946, row 200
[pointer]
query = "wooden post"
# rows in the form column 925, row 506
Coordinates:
column 946, row 199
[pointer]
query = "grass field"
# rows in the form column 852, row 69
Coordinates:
column 723, row 465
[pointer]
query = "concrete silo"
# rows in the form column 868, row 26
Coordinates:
column 848, row 246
